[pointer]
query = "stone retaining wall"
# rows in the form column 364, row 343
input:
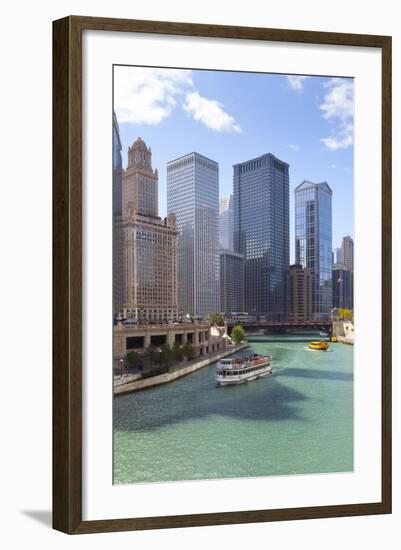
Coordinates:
column 170, row 376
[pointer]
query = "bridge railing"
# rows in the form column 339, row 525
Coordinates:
column 280, row 323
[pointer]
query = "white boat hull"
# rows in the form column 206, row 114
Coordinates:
column 243, row 378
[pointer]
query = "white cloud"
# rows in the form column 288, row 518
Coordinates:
column 146, row 95
column 296, row 82
column 210, row 112
column 294, row 147
column 338, row 109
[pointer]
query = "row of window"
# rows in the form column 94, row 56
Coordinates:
column 187, row 161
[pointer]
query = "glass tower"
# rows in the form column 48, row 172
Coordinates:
column 343, row 287
column 118, row 270
column 313, row 241
column 226, row 223
column 193, row 196
column 261, row 233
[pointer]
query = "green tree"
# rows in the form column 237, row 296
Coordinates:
column 217, row 319
column 177, row 351
column 348, row 314
column 344, row 313
column 237, row 334
column 166, row 354
column 134, row 359
column 152, row 354
column 189, row 351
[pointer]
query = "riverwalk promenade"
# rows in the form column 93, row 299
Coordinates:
column 131, row 383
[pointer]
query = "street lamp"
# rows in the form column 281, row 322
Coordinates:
column 121, row 367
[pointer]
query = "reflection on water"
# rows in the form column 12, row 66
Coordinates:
column 297, row 421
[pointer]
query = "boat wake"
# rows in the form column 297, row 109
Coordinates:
column 325, row 351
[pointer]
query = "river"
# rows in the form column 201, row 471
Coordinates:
column 297, row 421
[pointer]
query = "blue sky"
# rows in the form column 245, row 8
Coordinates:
column 231, row 117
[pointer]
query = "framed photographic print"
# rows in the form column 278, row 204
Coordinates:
column 222, row 274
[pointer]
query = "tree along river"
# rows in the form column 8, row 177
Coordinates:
column 299, row 420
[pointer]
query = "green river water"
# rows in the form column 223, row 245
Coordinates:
column 297, row 421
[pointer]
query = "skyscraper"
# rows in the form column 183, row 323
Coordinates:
column 150, row 243
column 193, row 196
column 118, row 251
column 231, row 282
column 347, row 253
column 261, row 233
column 226, row 223
column 300, row 293
column 343, row 287
column 338, row 258
column 313, row 241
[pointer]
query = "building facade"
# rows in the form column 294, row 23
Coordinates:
column 231, row 282
column 343, row 287
column 300, row 293
column 347, row 253
column 118, row 234
column 150, row 244
column 151, row 267
column 261, row 233
column 193, row 196
column 313, row 241
column 226, row 223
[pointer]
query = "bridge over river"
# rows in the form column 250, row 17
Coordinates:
column 282, row 326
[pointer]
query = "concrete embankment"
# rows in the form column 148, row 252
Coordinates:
column 179, row 372
column 344, row 332
column 346, row 340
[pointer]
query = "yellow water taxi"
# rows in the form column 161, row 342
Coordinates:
column 319, row 345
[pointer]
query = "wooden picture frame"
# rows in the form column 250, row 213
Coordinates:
column 67, row 274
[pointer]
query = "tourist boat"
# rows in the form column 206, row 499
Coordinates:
column 319, row 345
column 242, row 369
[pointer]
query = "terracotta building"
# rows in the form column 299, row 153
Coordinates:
column 150, row 243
